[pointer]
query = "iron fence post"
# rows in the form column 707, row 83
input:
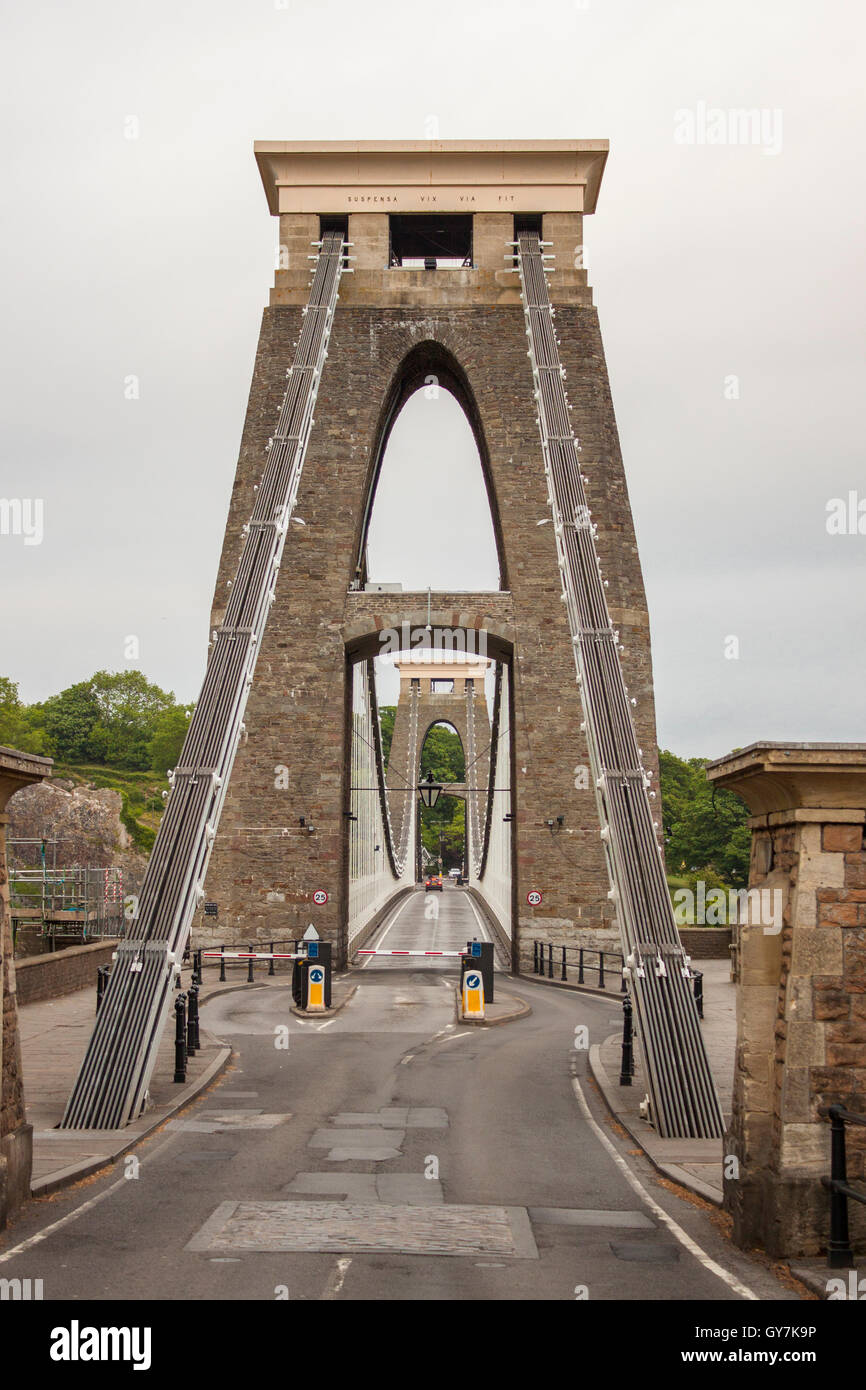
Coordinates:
column 601, row 969
column 627, row 1068
column 564, row 976
column 535, row 957
column 698, row 977
column 222, row 963
column 839, row 1253
column 580, row 967
column 550, row 960
column 180, row 1038
column 192, row 1041
column 271, row 970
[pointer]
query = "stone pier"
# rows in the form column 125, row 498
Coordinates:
column 801, row 990
column 17, row 770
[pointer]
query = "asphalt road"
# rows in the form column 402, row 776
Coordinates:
column 464, row 1160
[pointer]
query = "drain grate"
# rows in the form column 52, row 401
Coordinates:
column 354, row 1227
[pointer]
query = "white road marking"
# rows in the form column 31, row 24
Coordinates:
column 405, row 1060
column 85, row 1206
column 408, row 899
column 658, row 1211
column 325, row 1025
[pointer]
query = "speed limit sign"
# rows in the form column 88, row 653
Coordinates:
column 320, row 897
column 533, row 898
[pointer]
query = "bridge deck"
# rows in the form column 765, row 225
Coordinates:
column 409, row 928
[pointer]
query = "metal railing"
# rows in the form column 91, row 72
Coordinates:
column 551, row 962
column 543, row 964
column 839, row 1252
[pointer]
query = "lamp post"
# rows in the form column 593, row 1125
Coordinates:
column 429, row 791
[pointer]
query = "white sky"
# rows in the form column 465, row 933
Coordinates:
column 154, row 257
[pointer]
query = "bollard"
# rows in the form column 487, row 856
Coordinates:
column 839, row 1253
column 180, row 1038
column 580, row 966
column 564, row 976
column 549, row 959
column 223, row 963
column 192, row 1042
column 535, row 969
column 627, row 1068
column 196, row 967
column 250, row 965
column 101, row 982
column 271, row 968
column 698, row 977
column 472, row 991
column 601, row 969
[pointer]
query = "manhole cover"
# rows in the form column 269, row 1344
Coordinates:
column 346, row 1227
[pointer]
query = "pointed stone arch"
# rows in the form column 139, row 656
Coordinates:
column 428, row 359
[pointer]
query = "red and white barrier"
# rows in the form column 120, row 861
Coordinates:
column 411, row 953
column 253, row 955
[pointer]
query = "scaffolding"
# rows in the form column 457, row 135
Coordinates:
column 83, row 902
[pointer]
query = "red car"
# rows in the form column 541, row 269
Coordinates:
column 433, row 884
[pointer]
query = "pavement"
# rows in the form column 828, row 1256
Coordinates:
column 385, row 1152
column 54, row 1035
column 693, row 1163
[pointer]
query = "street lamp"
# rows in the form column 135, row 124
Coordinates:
column 429, row 790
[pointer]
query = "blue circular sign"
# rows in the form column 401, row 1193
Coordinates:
column 317, row 975
column 473, row 981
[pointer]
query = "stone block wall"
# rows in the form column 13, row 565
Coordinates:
column 62, row 972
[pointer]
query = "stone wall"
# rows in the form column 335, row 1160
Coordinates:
column 62, row 972
column 706, row 943
column 801, row 991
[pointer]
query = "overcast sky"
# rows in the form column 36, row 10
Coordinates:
column 153, row 257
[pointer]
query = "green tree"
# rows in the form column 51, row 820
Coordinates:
column 19, row 724
column 70, row 719
column 168, row 736
column 705, row 827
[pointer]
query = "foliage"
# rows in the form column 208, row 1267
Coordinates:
column 168, row 736
column 442, row 755
column 705, row 827
column 19, row 724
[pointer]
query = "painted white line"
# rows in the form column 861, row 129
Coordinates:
column 484, row 933
column 325, row 1025
column 85, row 1206
column 338, row 1278
column 406, row 1060
column 408, row 899
column 659, row 1212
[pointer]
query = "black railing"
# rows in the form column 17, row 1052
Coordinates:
column 839, row 1252
column 553, row 963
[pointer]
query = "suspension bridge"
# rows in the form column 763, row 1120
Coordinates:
column 291, row 677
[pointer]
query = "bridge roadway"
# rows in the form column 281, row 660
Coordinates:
column 431, row 921
column 387, row 1154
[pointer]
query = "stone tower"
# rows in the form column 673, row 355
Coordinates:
column 432, row 295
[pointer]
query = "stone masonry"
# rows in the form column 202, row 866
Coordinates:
column 801, row 991
column 392, row 330
column 17, row 770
